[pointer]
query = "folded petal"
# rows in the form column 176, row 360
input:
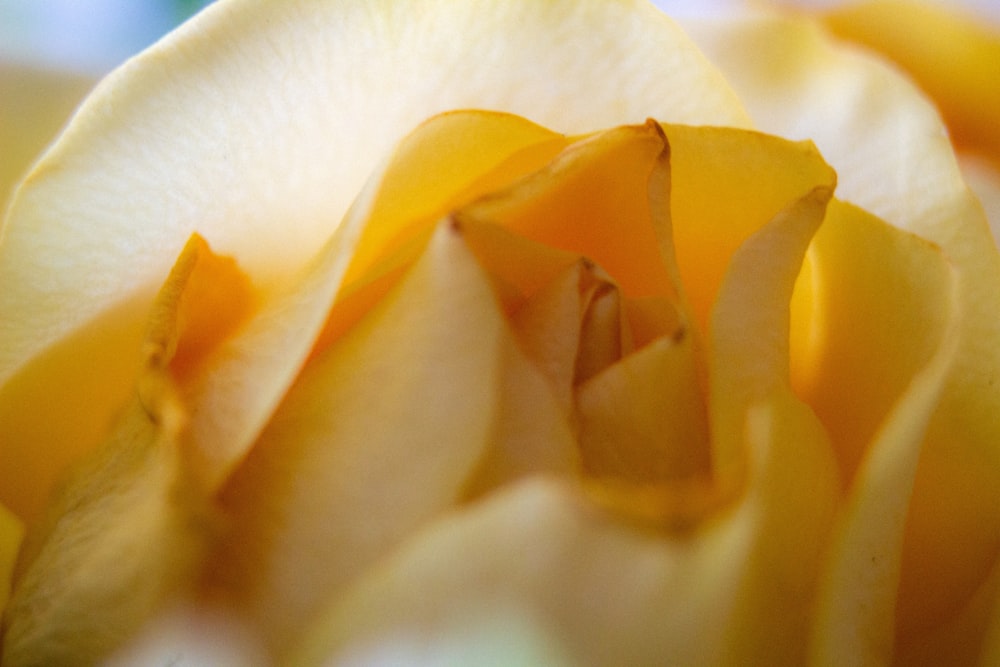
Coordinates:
column 11, row 535
column 749, row 342
column 380, row 433
column 725, row 185
column 857, row 608
column 130, row 509
column 594, row 589
column 895, row 160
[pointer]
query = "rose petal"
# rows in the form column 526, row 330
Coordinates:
column 749, row 341
column 643, row 420
column 984, row 179
column 864, row 343
column 448, row 161
column 125, row 513
column 257, row 123
column 11, row 535
column 592, row 201
column 857, row 605
column 532, row 433
column 378, row 434
column 598, row 591
column 726, row 184
column 894, row 159
column 952, row 56
column 131, row 508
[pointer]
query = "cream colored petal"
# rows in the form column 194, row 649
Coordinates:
column 257, row 123
column 446, row 162
column 126, row 531
column 883, row 137
column 592, row 200
column 952, row 55
column 120, row 540
column 88, row 401
column 532, row 434
column 856, row 617
column 617, row 587
column 238, row 384
column 379, row 434
column 548, row 328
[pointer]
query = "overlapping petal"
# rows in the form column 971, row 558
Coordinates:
column 643, row 395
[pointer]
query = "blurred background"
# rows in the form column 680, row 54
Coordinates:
column 85, row 36
column 53, row 51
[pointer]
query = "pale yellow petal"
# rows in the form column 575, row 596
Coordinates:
column 257, row 123
column 883, row 137
column 593, row 201
column 894, row 159
column 725, row 185
column 951, row 55
column 444, row 163
column 532, row 433
column 135, row 507
column 87, row 401
column 983, row 178
column 597, row 590
column 857, row 609
column 379, row 434
column 749, row 335
column 120, row 539
column 548, row 327
column 878, row 299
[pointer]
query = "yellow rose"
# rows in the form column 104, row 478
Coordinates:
column 285, row 379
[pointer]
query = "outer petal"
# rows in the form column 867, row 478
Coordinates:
column 131, row 509
column 952, row 56
column 858, row 601
column 895, row 160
